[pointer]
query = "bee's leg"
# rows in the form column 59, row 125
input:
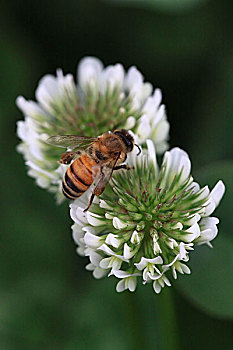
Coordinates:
column 99, row 188
column 123, row 166
column 104, row 179
column 90, row 202
column 67, row 157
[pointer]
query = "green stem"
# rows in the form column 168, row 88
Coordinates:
column 136, row 337
column 167, row 320
column 150, row 320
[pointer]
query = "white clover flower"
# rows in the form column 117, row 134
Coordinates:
column 103, row 99
column 147, row 221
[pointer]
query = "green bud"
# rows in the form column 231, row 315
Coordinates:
column 127, row 205
column 140, row 226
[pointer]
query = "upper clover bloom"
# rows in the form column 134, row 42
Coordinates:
column 147, row 221
column 103, row 99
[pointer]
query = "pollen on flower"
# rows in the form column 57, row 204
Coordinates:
column 157, row 214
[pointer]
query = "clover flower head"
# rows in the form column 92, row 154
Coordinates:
column 103, row 99
column 147, row 221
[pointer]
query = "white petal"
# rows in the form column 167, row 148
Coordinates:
column 161, row 147
column 193, row 219
column 160, row 132
column 34, row 166
column 161, row 281
column 157, row 287
column 209, row 230
column 90, row 267
column 90, row 229
column 107, row 250
column 182, row 268
column 158, row 118
column 21, row 130
column 171, row 243
column 108, row 216
column 128, row 252
column 89, row 72
column 95, row 258
column 113, row 240
column 146, row 91
column 77, row 214
column 194, row 187
column 204, row 193
column 152, row 154
column 138, row 90
column 116, row 263
column 182, row 251
column 140, row 266
column 47, row 90
column 134, row 79
column 110, row 252
column 176, row 161
column 157, row 260
column 217, row 192
column 135, row 103
column 174, row 273
column 104, row 205
column 77, row 234
column 209, row 222
column 99, row 273
column 94, row 219
column 194, row 233
column 157, row 97
column 144, row 261
column 120, row 287
column 130, row 122
column 178, row 226
column 152, row 103
column 112, row 76
column 165, row 267
column 118, row 224
column 123, row 274
column 92, row 241
column 52, row 89
column 31, row 108
column 105, row 263
column 166, row 280
column 135, row 238
column 206, row 236
column 132, row 282
column 209, row 207
column 81, row 251
column 186, row 269
column 144, row 128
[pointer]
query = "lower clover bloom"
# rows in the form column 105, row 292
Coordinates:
column 147, row 221
column 103, row 99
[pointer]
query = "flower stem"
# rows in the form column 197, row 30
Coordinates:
column 136, row 337
column 168, row 322
column 151, row 319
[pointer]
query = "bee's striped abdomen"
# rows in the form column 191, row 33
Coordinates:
column 78, row 177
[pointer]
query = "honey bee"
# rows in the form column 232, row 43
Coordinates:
column 95, row 158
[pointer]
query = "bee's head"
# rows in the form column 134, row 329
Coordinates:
column 126, row 138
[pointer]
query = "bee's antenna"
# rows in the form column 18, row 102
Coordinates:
column 139, row 149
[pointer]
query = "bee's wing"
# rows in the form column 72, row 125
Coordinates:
column 102, row 180
column 107, row 171
column 71, row 141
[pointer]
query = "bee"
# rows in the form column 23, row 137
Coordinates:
column 94, row 158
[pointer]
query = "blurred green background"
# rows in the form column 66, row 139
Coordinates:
column 47, row 299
